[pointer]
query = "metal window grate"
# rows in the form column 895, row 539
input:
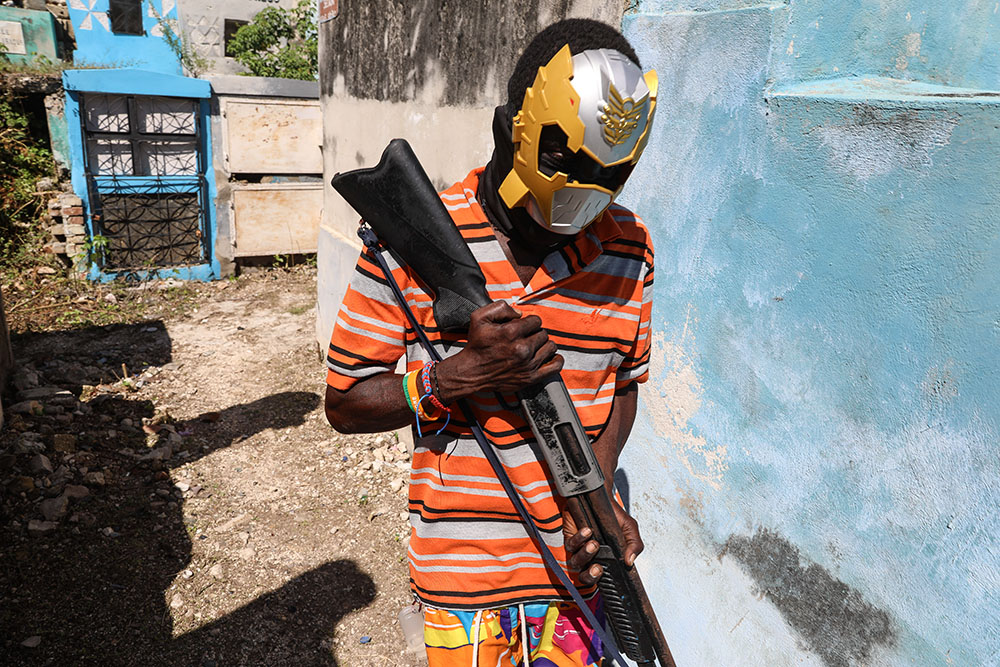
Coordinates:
column 141, row 136
column 149, row 226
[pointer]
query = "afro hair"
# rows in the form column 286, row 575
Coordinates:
column 580, row 34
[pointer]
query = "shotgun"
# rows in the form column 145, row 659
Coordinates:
column 398, row 201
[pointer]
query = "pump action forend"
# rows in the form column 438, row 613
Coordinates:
column 398, row 201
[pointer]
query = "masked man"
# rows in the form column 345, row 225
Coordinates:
column 571, row 277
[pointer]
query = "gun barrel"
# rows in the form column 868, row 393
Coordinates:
column 626, row 605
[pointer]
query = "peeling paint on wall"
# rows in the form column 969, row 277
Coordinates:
column 680, row 398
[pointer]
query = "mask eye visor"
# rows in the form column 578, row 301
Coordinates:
column 555, row 157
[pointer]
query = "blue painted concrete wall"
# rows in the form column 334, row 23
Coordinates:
column 816, row 459
column 96, row 45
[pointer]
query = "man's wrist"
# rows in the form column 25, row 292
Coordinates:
column 450, row 386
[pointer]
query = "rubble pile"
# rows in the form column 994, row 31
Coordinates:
column 65, row 223
column 70, row 446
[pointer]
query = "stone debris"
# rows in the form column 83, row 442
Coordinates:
column 38, row 528
column 94, row 479
column 79, row 437
column 233, row 523
column 39, row 393
column 25, row 378
column 29, row 444
column 54, row 509
column 64, row 442
column 21, row 484
column 27, row 407
column 76, row 491
column 32, row 642
column 40, row 465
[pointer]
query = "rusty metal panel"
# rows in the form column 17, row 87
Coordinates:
column 272, row 136
column 278, row 219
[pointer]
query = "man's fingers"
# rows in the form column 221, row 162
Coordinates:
column 578, row 539
column 523, row 327
column 591, row 575
column 542, row 349
column 633, row 541
column 551, row 367
column 497, row 312
column 583, row 556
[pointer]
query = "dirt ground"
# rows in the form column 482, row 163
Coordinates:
column 173, row 495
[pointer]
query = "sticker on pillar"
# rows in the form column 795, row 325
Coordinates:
column 328, row 9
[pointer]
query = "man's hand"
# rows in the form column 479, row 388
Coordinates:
column 506, row 352
column 581, row 547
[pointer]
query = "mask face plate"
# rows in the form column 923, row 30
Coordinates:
column 602, row 106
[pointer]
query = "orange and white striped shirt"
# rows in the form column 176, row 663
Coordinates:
column 468, row 547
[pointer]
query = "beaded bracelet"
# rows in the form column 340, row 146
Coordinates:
column 425, row 379
column 416, row 400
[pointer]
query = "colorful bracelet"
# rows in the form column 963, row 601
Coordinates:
column 437, row 389
column 425, row 379
column 406, row 392
column 414, row 398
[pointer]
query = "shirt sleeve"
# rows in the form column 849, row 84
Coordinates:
column 635, row 367
column 369, row 334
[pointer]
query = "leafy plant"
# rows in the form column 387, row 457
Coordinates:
column 280, row 43
column 191, row 61
column 24, row 159
column 92, row 251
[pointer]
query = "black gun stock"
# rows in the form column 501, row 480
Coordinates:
column 397, row 199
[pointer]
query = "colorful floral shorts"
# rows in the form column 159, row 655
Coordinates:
column 557, row 633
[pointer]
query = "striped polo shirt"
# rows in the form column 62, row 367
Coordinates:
column 468, row 547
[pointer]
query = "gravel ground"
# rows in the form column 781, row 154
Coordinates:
column 173, row 495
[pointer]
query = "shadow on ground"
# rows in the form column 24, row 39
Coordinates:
column 92, row 588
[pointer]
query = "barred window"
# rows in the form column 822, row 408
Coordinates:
column 141, row 135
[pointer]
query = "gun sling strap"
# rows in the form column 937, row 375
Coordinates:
column 371, row 240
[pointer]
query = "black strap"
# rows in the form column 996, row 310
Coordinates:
column 372, row 242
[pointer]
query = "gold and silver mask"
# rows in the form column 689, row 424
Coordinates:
column 598, row 105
